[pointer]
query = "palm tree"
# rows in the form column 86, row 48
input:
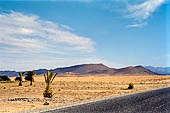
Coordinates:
column 49, row 77
column 20, row 80
column 30, row 75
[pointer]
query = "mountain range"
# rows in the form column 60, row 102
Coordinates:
column 92, row 69
column 160, row 70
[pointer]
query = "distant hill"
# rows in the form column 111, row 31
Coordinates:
column 159, row 70
column 137, row 70
column 86, row 69
column 40, row 71
column 91, row 69
column 94, row 69
column 15, row 73
column 9, row 73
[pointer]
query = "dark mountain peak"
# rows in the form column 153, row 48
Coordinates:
column 129, row 67
column 83, row 69
column 133, row 67
column 126, row 68
column 100, row 64
column 135, row 70
column 139, row 66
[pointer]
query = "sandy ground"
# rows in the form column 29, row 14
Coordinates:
column 69, row 90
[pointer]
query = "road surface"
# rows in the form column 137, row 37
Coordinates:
column 156, row 101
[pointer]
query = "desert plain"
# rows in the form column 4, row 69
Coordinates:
column 73, row 89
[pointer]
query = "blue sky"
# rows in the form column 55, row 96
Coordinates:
column 57, row 33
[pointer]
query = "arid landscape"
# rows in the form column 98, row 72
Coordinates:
column 58, row 53
column 68, row 90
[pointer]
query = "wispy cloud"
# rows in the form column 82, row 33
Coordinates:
column 137, row 11
column 28, row 42
column 43, row 62
column 28, row 31
column 140, row 11
column 144, row 10
column 136, row 25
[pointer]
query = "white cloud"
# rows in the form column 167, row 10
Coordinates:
column 25, row 31
column 144, row 10
column 28, row 42
column 66, row 27
column 26, row 62
column 137, row 11
column 29, row 31
column 141, row 10
column 43, row 62
column 137, row 25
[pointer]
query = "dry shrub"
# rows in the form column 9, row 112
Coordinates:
column 131, row 86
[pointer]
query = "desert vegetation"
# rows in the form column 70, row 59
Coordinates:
column 17, row 78
column 4, row 78
column 20, row 78
column 49, row 77
column 30, row 76
column 131, row 86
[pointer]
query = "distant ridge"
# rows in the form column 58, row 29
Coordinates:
column 159, row 70
column 9, row 73
column 91, row 69
column 85, row 69
column 137, row 70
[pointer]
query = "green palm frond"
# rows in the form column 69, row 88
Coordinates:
column 49, row 77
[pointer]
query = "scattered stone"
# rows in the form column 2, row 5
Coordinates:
column 46, row 103
column 59, row 89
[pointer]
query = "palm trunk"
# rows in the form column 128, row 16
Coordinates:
column 48, row 91
column 31, row 83
column 20, row 83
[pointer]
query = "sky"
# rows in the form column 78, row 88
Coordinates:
column 48, row 34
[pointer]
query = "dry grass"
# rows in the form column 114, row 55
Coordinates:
column 73, row 89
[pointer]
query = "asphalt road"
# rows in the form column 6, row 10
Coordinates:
column 157, row 101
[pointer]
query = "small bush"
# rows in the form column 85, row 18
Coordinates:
column 4, row 78
column 1, row 79
column 131, row 86
column 30, row 76
column 27, row 78
column 17, row 79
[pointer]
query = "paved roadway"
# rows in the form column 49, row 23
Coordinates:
column 157, row 101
